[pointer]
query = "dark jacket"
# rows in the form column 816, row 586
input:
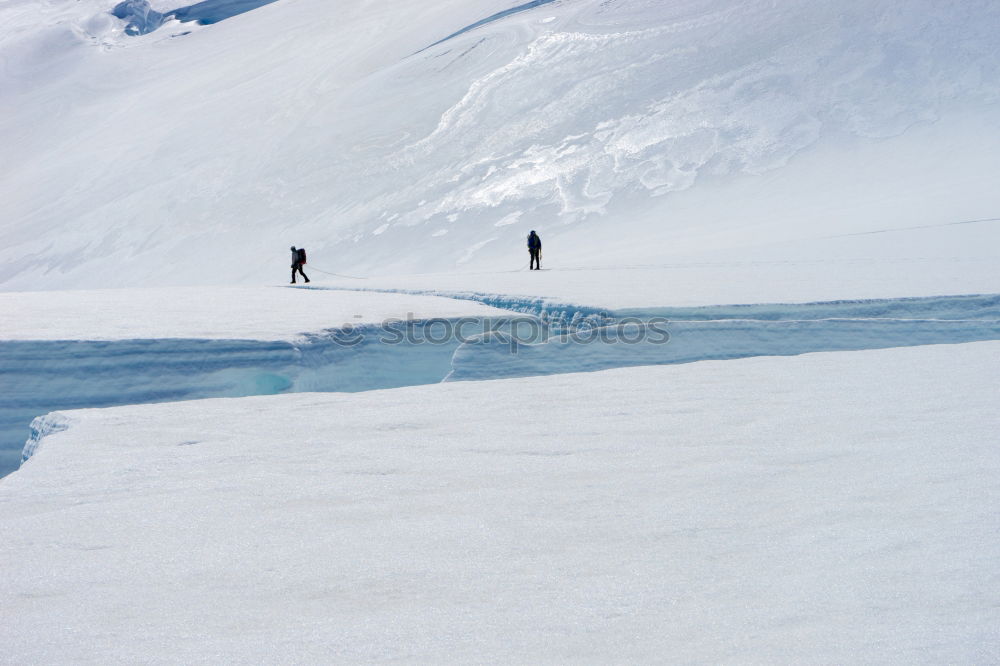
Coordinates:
column 534, row 242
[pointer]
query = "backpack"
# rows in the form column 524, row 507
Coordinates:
column 302, row 255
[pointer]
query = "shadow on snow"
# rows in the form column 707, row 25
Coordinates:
column 490, row 19
column 143, row 19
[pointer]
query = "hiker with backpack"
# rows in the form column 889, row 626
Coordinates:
column 535, row 251
column 298, row 261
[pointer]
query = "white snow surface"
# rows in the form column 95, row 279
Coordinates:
column 783, row 163
column 72, row 349
column 212, row 313
column 834, row 508
column 624, row 132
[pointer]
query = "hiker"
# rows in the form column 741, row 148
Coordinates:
column 298, row 259
column 535, row 250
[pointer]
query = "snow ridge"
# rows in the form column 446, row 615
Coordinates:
column 490, row 19
column 42, row 427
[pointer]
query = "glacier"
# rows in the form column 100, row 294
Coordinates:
column 754, row 418
column 75, row 349
column 110, row 347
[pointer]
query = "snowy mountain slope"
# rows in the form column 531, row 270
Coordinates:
column 833, row 507
column 724, row 164
column 624, row 131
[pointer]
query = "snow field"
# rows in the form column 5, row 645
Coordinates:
column 262, row 313
column 773, row 178
column 64, row 350
column 827, row 507
column 888, row 264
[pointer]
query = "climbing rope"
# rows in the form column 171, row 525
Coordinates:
column 349, row 277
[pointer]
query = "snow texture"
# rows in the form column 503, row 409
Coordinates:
column 735, row 178
column 695, row 154
column 625, row 132
column 267, row 314
column 833, row 507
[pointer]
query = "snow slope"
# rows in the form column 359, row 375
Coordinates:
column 627, row 131
column 831, row 507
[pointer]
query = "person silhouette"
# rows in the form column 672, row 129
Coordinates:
column 534, row 251
column 298, row 259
